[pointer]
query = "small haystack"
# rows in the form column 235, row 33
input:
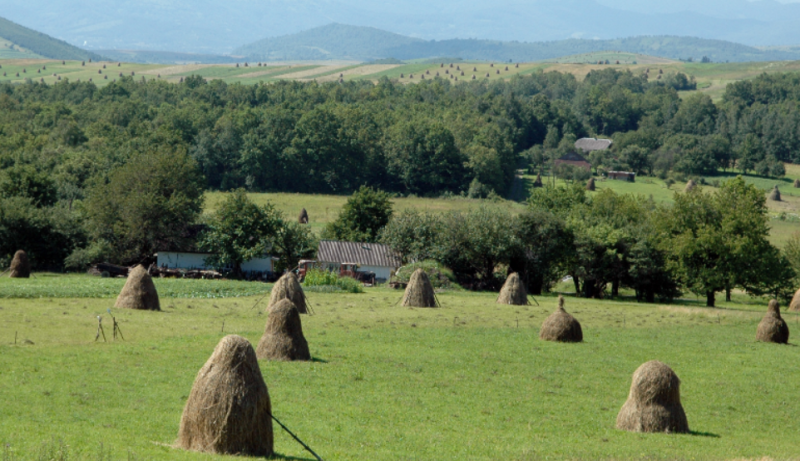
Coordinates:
column 796, row 183
column 794, row 306
column 228, row 410
column 538, row 182
column 513, row 292
column 419, row 292
column 773, row 328
column 775, row 195
column 139, row 292
column 654, row 403
column 690, row 185
column 561, row 326
column 20, row 266
column 283, row 336
column 303, row 218
column 590, row 184
column 287, row 287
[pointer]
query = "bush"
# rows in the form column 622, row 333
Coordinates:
column 321, row 278
column 441, row 277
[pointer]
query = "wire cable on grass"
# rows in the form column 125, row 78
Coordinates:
column 296, row 438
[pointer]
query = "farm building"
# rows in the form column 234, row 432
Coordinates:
column 591, row 144
column 370, row 257
column 575, row 160
column 196, row 260
column 622, row 176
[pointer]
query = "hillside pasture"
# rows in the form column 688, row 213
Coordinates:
column 468, row 381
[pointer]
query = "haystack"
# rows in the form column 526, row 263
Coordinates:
column 794, row 306
column 561, row 326
column 228, row 411
column 590, row 184
column 419, row 292
column 773, row 328
column 538, row 181
column 796, row 183
column 654, row 403
column 283, row 336
column 303, row 218
column 287, row 287
column 20, row 266
column 513, row 292
column 690, row 185
column 139, row 292
column 775, row 195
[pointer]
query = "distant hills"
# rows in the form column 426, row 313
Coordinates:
column 165, row 57
column 41, row 44
column 338, row 41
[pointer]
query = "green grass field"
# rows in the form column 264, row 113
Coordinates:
column 468, row 381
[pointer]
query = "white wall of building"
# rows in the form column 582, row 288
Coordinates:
column 176, row 260
column 381, row 272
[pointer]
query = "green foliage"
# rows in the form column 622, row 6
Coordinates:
column 414, row 235
column 366, row 212
column 441, row 277
column 322, row 278
column 293, row 243
column 25, row 181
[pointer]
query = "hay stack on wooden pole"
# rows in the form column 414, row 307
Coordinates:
column 538, row 181
column 772, row 328
column 419, row 292
column 690, row 185
column 654, row 402
column 796, row 183
column 561, row 326
column 794, row 306
column 303, row 218
column 775, row 195
column 287, row 287
column 228, row 410
column 513, row 292
column 20, row 266
column 590, row 184
column 283, row 336
column 139, row 292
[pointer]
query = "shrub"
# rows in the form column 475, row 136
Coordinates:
column 321, row 278
column 440, row 276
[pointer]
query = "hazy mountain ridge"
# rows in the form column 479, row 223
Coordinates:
column 42, row 44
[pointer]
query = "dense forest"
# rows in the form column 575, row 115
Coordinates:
column 82, row 167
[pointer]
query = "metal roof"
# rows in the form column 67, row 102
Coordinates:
column 590, row 144
column 364, row 254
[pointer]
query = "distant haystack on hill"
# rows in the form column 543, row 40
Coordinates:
column 42, row 44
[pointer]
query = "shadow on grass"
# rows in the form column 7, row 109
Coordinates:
column 704, row 434
column 318, row 360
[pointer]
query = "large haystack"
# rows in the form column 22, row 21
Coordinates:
column 287, row 287
column 772, row 328
column 690, row 185
column 139, row 292
column 283, row 336
column 654, row 403
column 419, row 292
column 561, row 326
column 775, row 195
column 303, row 218
column 794, row 306
column 513, row 292
column 20, row 266
column 590, row 184
column 228, row 411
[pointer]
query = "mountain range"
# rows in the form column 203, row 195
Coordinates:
column 211, row 26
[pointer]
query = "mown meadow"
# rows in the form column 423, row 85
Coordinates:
column 470, row 380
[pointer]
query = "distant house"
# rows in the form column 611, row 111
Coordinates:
column 574, row 159
column 370, row 257
column 592, row 144
column 622, row 176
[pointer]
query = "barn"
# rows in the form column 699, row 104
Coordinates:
column 574, row 159
column 370, row 257
column 189, row 260
column 587, row 145
column 622, row 175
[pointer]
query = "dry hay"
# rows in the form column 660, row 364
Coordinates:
column 139, row 292
column 654, row 402
column 775, row 195
column 228, row 410
column 287, row 287
column 20, row 266
column 283, row 336
column 513, row 292
column 794, row 306
column 690, row 185
column 796, row 183
column 772, row 328
column 590, row 184
column 303, row 218
column 561, row 326
column 419, row 292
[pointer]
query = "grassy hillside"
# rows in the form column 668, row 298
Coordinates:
column 41, row 44
column 468, row 381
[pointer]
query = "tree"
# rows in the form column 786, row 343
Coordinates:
column 547, row 249
column 414, row 235
column 366, row 212
column 28, row 181
column 293, row 243
column 147, row 204
column 240, row 231
column 637, row 159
